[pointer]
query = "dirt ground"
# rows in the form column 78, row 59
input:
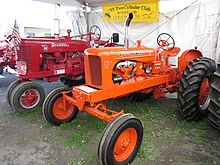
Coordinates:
column 29, row 140
column 22, row 142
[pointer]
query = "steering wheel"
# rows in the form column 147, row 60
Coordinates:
column 166, row 41
column 95, row 32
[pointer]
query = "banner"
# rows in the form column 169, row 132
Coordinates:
column 143, row 11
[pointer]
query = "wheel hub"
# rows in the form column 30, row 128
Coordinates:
column 125, row 144
column 30, row 98
column 59, row 111
column 204, row 92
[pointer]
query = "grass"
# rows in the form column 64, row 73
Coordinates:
column 82, row 160
column 167, row 136
column 29, row 116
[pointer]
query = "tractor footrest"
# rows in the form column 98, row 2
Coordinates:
column 100, row 111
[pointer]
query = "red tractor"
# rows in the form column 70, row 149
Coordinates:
column 50, row 58
column 7, row 54
column 119, row 71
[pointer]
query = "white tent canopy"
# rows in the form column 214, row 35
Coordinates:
column 192, row 23
column 197, row 25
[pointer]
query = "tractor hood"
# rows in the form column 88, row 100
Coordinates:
column 138, row 53
column 50, row 44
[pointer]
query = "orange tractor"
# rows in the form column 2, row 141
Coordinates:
column 118, row 71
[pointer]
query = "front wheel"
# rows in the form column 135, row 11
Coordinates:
column 120, row 141
column 53, row 108
column 194, row 88
column 27, row 96
column 11, row 87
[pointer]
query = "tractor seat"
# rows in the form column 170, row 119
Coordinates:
column 172, row 52
column 102, row 41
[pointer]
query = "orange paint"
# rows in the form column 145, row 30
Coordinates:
column 125, row 144
column 115, row 72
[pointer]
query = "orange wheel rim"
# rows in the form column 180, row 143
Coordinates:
column 204, row 91
column 125, row 144
column 59, row 111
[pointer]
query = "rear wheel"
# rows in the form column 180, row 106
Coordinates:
column 53, row 108
column 11, row 87
column 1, row 69
column 194, row 88
column 27, row 96
column 71, row 83
column 120, row 141
column 214, row 107
column 139, row 97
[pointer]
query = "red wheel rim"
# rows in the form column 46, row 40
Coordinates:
column 204, row 91
column 125, row 144
column 59, row 111
column 30, row 98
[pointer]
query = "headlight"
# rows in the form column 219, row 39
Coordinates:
column 148, row 69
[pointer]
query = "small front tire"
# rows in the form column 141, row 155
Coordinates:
column 53, row 108
column 11, row 87
column 27, row 96
column 120, row 141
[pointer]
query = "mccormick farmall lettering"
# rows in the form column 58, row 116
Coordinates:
column 60, row 45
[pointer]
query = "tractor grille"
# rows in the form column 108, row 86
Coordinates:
column 24, row 53
column 95, row 70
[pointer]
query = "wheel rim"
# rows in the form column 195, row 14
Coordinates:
column 30, row 98
column 58, row 109
column 204, row 92
column 125, row 144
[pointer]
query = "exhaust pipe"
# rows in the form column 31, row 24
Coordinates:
column 126, row 25
column 56, row 22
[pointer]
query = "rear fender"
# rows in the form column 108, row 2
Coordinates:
column 186, row 57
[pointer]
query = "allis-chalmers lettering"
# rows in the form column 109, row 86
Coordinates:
column 130, row 53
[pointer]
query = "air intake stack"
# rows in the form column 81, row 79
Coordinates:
column 126, row 25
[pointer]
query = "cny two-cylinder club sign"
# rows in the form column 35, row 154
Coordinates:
column 143, row 11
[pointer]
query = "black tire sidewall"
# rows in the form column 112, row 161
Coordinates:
column 20, row 89
column 112, row 136
column 10, row 89
column 214, row 107
column 48, row 110
column 47, row 99
column 1, row 69
column 190, row 86
column 71, row 83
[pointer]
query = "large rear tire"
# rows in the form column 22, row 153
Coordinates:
column 27, row 96
column 1, row 69
column 139, row 97
column 214, row 107
column 71, row 83
column 194, row 88
column 53, row 108
column 120, row 141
